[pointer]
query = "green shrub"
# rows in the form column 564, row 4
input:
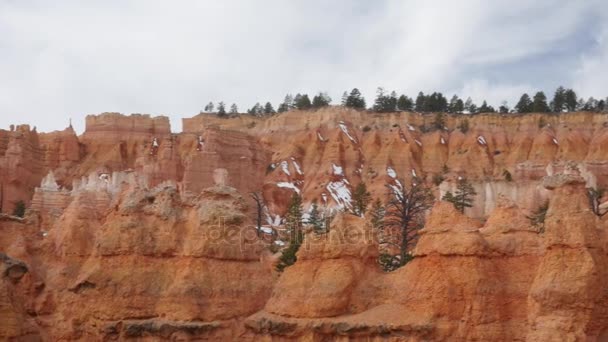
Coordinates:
column 19, row 210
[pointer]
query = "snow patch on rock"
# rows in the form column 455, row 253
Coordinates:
column 340, row 192
column 337, row 170
column 481, row 140
column 345, row 131
column 391, row 172
column 288, row 185
column 285, row 167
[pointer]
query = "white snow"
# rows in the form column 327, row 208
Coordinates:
column 320, row 136
column 414, row 173
column 481, row 140
column 289, row 186
column 155, row 143
column 277, row 220
column 337, row 169
column 418, row 142
column 555, row 141
column 266, row 230
column 411, row 128
column 391, row 172
column 285, row 167
column 345, row 130
column 442, row 141
column 340, row 193
column 279, row 242
column 324, row 196
column 295, row 164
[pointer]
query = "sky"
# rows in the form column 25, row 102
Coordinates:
column 64, row 59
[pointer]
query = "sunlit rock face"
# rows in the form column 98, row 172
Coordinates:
column 135, row 232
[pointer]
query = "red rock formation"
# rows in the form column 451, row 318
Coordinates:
column 127, row 236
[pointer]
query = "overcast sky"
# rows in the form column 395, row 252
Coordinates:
column 65, row 59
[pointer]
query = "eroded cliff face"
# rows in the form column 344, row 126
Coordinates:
column 133, row 232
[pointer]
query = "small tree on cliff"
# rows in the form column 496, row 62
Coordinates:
column 19, row 210
column 361, row 198
column 399, row 223
column 316, row 220
column 221, row 109
column 293, row 223
column 463, row 197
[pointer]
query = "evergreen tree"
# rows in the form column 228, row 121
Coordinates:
column 321, row 100
column 209, row 107
column 485, row 108
column 293, row 223
column 571, row 100
column 559, row 100
column 255, row 110
column 469, row 106
column 402, row 219
column 463, row 197
column 361, row 198
column 234, row 109
column 421, row 102
column 316, row 220
column 504, row 108
column 601, row 106
column 19, row 209
column 591, row 105
column 456, row 105
column 344, row 99
column 287, row 104
column 377, row 214
column 355, row 100
column 524, row 105
column 221, row 109
column 405, row 103
column 302, row 102
column 439, row 121
column 383, row 102
column 268, row 109
column 539, row 105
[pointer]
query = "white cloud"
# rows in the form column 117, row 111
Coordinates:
column 64, row 58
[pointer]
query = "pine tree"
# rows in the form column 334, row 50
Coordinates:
column 504, row 107
column 421, row 102
column 439, row 121
column 402, row 219
column 485, row 108
column 524, row 105
column 293, row 223
column 559, row 100
column 19, row 209
column 539, row 105
column 255, row 110
column 287, row 104
column 355, row 100
column 456, row 105
column 268, row 109
column 463, row 197
column 469, row 106
column 571, row 100
column 316, row 220
column 221, row 109
column 361, row 198
column 405, row 103
column 209, row 107
column 234, row 109
column 302, row 102
column 344, row 99
column 321, row 100
column 377, row 214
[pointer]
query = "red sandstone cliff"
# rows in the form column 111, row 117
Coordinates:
column 128, row 237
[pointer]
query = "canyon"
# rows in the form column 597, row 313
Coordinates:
column 135, row 232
